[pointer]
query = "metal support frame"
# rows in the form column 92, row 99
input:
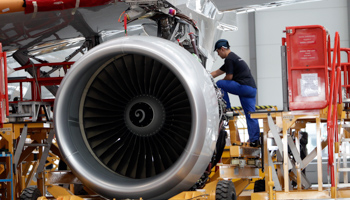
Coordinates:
column 287, row 169
column 284, row 78
column 252, row 47
column 9, row 178
column 20, row 145
column 32, row 109
column 240, row 185
column 296, row 168
column 273, row 173
column 319, row 153
column 45, row 153
column 278, row 140
column 295, row 151
column 39, row 172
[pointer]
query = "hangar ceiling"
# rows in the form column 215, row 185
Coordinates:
column 252, row 5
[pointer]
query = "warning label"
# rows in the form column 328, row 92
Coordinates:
column 309, row 85
column 5, row 129
column 308, row 54
column 307, row 39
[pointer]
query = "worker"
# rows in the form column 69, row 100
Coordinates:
column 238, row 80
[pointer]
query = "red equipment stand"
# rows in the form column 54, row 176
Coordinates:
column 4, row 108
column 307, row 67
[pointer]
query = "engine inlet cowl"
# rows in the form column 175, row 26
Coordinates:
column 137, row 117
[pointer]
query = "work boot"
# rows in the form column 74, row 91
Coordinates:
column 255, row 143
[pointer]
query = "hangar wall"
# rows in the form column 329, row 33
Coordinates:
column 269, row 26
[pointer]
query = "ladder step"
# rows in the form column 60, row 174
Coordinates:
column 345, row 139
column 35, row 144
column 278, row 163
column 231, row 114
column 343, row 185
column 21, row 115
column 344, row 169
column 345, row 125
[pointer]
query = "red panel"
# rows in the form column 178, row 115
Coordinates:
column 3, row 88
column 51, row 5
column 307, row 67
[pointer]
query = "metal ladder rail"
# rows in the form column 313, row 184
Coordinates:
column 346, row 75
column 332, row 117
column 344, row 147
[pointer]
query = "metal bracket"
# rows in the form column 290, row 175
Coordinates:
column 295, row 152
column 304, row 181
column 44, row 155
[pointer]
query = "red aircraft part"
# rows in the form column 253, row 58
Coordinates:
column 4, row 108
column 51, row 5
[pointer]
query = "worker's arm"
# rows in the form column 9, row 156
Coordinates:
column 217, row 73
column 228, row 77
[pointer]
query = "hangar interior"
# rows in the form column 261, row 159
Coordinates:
column 124, row 107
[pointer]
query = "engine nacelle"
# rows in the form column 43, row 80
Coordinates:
column 137, row 117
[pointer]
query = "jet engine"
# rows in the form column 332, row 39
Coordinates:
column 137, row 117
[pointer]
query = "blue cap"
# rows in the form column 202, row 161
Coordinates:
column 221, row 43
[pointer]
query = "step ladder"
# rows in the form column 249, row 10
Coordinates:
column 343, row 168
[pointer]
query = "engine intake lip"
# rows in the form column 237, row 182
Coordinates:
column 191, row 164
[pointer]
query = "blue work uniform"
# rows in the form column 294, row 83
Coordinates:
column 243, row 85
